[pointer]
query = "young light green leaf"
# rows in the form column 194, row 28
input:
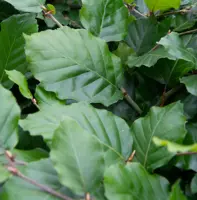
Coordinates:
column 12, row 44
column 133, row 182
column 27, row 5
column 158, row 123
column 162, row 5
column 9, row 117
column 85, row 72
column 176, row 193
column 78, row 157
column 19, row 79
column 112, row 131
column 40, row 171
column 106, row 19
column 191, row 84
column 174, row 147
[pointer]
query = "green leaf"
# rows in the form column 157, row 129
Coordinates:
column 40, row 171
column 176, row 193
column 19, row 79
column 190, row 106
column 80, row 167
column 132, row 182
column 45, row 98
column 4, row 174
column 175, row 47
column 174, row 147
column 149, row 59
column 162, row 5
column 106, row 19
column 158, row 123
column 12, row 44
column 191, row 84
column 181, row 23
column 27, row 5
column 9, row 116
column 194, row 184
column 144, row 33
column 109, row 129
column 167, row 71
column 85, row 72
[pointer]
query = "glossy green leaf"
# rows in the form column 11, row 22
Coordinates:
column 12, row 44
column 132, row 181
column 144, row 33
column 176, row 193
column 80, row 167
column 27, row 5
column 174, row 147
column 85, row 72
column 40, row 171
column 109, row 129
column 19, row 79
column 45, row 98
column 158, row 123
column 9, row 116
column 194, row 184
column 106, row 19
column 162, row 5
column 191, row 84
column 149, row 59
column 175, row 47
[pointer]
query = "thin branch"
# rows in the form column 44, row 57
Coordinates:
column 183, row 11
column 167, row 95
column 188, row 32
column 49, row 15
column 186, row 153
column 132, row 8
column 131, row 157
column 131, row 101
column 139, row 13
column 44, row 188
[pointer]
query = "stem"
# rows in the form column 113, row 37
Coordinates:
column 44, row 188
column 188, row 32
column 139, row 13
column 131, row 156
column 54, row 19
column 131, row 101
column 168, row 94
column 49, row 15
column 186, row 153
column 183, row 11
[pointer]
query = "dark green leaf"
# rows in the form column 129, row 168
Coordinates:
column 194, row 184
column 106, row 19
column 12, row 44
column 158, row 123
column 85, row 72
column 176, row 193
column 78, row 157
column 9, row 116
column 132, row 182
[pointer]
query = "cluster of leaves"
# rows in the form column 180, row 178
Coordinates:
column 103, row 106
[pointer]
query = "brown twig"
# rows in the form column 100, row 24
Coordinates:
column 44, row 188
column 131, row 157
column 183, row 11
column 186, row 153
column 131, row 101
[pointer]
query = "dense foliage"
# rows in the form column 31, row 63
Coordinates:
column 98, row 99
